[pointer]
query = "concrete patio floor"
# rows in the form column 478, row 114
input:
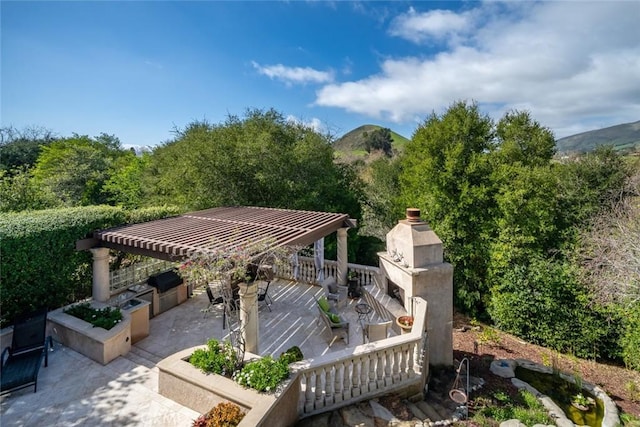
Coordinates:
column 74, row 390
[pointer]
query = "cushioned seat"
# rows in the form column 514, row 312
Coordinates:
column 337, row 327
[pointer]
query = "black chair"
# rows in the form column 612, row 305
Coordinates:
column 212, row 300
column 263, row 296
column 23, row 358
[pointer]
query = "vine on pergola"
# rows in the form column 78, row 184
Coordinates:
column 226, row 264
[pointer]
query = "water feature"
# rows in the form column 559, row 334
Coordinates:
column 562, row 392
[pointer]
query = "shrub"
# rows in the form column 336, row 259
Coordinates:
column 543, row 302
column 105, row 318
column 630, row 339
column 294, row 354
column 40, row 266
column 217, row 358
column 224, row 414
column 264, row 374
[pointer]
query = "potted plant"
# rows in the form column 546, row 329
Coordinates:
column 405, row 323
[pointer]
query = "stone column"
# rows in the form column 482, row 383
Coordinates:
column 343, row 257
column 100, row 290
column 249, row 316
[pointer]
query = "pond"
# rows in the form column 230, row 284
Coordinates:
column 562, row 392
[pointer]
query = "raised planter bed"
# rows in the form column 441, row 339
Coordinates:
column 183, row 383
column 97, row 344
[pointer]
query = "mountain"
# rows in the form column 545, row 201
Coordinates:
column 624, row 137
column 351, row 145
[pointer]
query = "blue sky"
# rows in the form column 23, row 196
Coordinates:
column 140, row 69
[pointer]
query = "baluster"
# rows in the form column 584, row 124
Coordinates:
column 330, row 383
column 348, row 373
column 339, row 382
column 388, row 356
column 405, row 355
column 309, row 395
column 411, row 360
column 380, row 368
column 373, row 362
column 397, row 363
column 355, row 377
column 320, row 383
column 364, row 377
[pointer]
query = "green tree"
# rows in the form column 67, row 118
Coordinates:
column 446, row 173
column 76, row 168
column 19, row 192
column 125, row 186
column 259, row 160
column 379, row 139
column 381, row 206
column 522, row 139
column 21, row 148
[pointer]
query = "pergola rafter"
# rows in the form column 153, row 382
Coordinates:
column 177, row 237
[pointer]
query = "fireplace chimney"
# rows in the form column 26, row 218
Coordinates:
column 412, row 243
column 413, row 215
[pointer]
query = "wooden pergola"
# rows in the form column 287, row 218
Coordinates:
column 222, row 228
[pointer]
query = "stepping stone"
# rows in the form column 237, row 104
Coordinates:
column 353, row 416
column 382, row 413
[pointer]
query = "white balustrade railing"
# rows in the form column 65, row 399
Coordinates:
column 354, row 374
column 307, row 273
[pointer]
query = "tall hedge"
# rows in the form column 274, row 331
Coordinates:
column 39, row 264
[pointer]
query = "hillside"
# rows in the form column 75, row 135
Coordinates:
column 351, row 146
column 622, row 137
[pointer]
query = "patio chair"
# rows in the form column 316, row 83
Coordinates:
column 212, row 300
column 336, row 326
column 23, row 358
column 375, row 331
column 263, row 296
column 334, row 292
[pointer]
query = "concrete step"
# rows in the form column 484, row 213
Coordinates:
column 444, row 413
column 430, row 413
column 143, row 357
column 417, row 412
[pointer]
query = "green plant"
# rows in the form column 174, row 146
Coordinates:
column 224, row 414
column 630, row 420
column 524, row 407
column 217, row 358
column 633, row 388
column 294, row 354
column 489, row 336
column 105, row 318
column 263, row 374
column 581, row 400
column 501, row 396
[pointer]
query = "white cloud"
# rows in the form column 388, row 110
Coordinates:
column 294, row 75
column 436, row 24
column 314, row 123
column 574, row 65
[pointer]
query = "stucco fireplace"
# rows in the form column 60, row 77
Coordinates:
column 413, row 266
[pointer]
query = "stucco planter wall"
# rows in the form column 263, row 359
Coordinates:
column 183, row 383
column 97, row 344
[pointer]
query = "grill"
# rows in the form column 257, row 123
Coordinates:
column 166, row 284
column 165, row 281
